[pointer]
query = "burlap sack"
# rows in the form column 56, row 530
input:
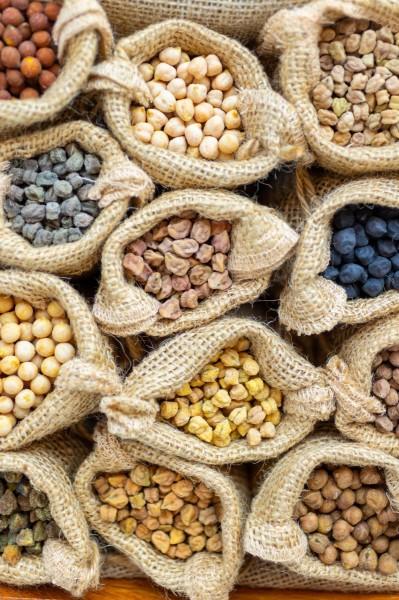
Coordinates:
column 80, row 31
column 351, row 375
column 203, row 575
column 294, row 35
column 119, row 180
column 241, row 19
column 118, row 566
column 134, row 414
column 312, row 304
column 273, row 535
column 72, row 561
column 82, row 380
column 260, row 242
column 266, row 116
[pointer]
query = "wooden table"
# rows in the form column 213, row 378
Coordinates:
column 124, row 589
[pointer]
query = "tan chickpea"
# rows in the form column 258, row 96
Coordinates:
column 146, row 71
column 159, row 139
column 174, row 127
column 178, row 88
column 214, row 66
column 171, row 55
column 209, row 147
column 178, row 144
column 228, row 143
column 138, row 115
column 223, row 81
column 197, row 92
column 185, row 109
column 143, row 132
column 193, row 134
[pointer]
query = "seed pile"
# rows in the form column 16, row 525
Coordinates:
column 178, row 516
column 364, row 256
column 33, row 346
column 48, row 202
column 194, row 108
column 228, row 400
column 346, row 515
column 181, row 261
column 25, row 518
column 385, row 387
column 28, row 61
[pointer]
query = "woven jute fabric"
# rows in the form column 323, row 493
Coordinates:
column 72, row 560
column 241, row 19
column 312, row 304
column 351, row 376
column 118, row 566
column 135, row 413
column 293, row 35
column 271, row 532
column 119, row 181
column 203, row 575
column 260, row 242
column 266, row 116
column 81, row 30
column 82, row 380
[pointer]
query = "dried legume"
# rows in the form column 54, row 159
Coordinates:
column 385, row 386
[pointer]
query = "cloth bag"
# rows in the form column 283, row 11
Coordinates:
column 82, row 380
column 203, row 575
column 312, row 304
column 266, row 116
column 134, row 414
column 72, row 561
column 80, row 31
column 273, row 535
column 351, row 378
column 118, row 181
column 241, row 19
column 293, row 35
column 260, row 242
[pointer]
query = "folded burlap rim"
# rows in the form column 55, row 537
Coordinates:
column 293, row 35
column 120, row 181
column 134, row 414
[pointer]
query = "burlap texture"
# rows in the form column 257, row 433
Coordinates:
column 351, row 377
column 312, row 304
column 260, row 242
column 119, row 181
column 273, row 535
column 80, row 31
column 294, row 35
column 82, row 380
column 72, row 561
column 135, row 413
column 118, row 566
column 241, row 19
column 203, row 575
column 266, row 116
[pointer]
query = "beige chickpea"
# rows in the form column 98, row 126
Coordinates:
column 45, row 347
column 6, row 303
column 215, row 97
column 165, row 101
column 138, row 115
column 25, row 399
column 214, row 66
column 20, row 413
column 41, row 328
column 193, row 134
column 62, row 332
column 178, row 144
column 7, row 422
column 203, row 112
column 214, row 127
column 193, row 151
column 229, row 103
column 6, row 405
column 24, row 350
column 203, row 81
column 159, row 139
column 223, row 81
column 64, row 352
column 197, row 92
column 209, row 148
column 156, row 118
column 232, row 119
column 27, row 371
column 174, row 127
column 10, row 333
column 164, row 72
column 143, row 132
column 50, row 367
column 155, row 61
column 185, row 109
column 40, row 384
column 156, row 87
column 55, row 309
column 171, row 55
column 177, row 87
column 12, row 385
column 182, row 73
column 146, row 71
column 228, row 143
column 198, row 67
column 24, row 311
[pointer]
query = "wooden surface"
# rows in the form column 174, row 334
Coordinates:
column 123, row 589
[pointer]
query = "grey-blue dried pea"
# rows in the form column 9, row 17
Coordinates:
column 48, row 200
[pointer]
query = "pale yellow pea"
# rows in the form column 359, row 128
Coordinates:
column 12, row 385
column 9, row 365
column 20, row 413
column 9, row 317
column 37, row 360
column 55, row 309
column 62, row 332
column 24, row 311
column 24, row 350
column 40, row 385
column 6, row 349
column 45, row 347
column 41, row 314
column 6, row 405
column 26, row 331
column 6, row 303
column 41, row 328
column 7, row 422
column 25, row 399
column 10, row 333
column 50, row 367
column 27, row 371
